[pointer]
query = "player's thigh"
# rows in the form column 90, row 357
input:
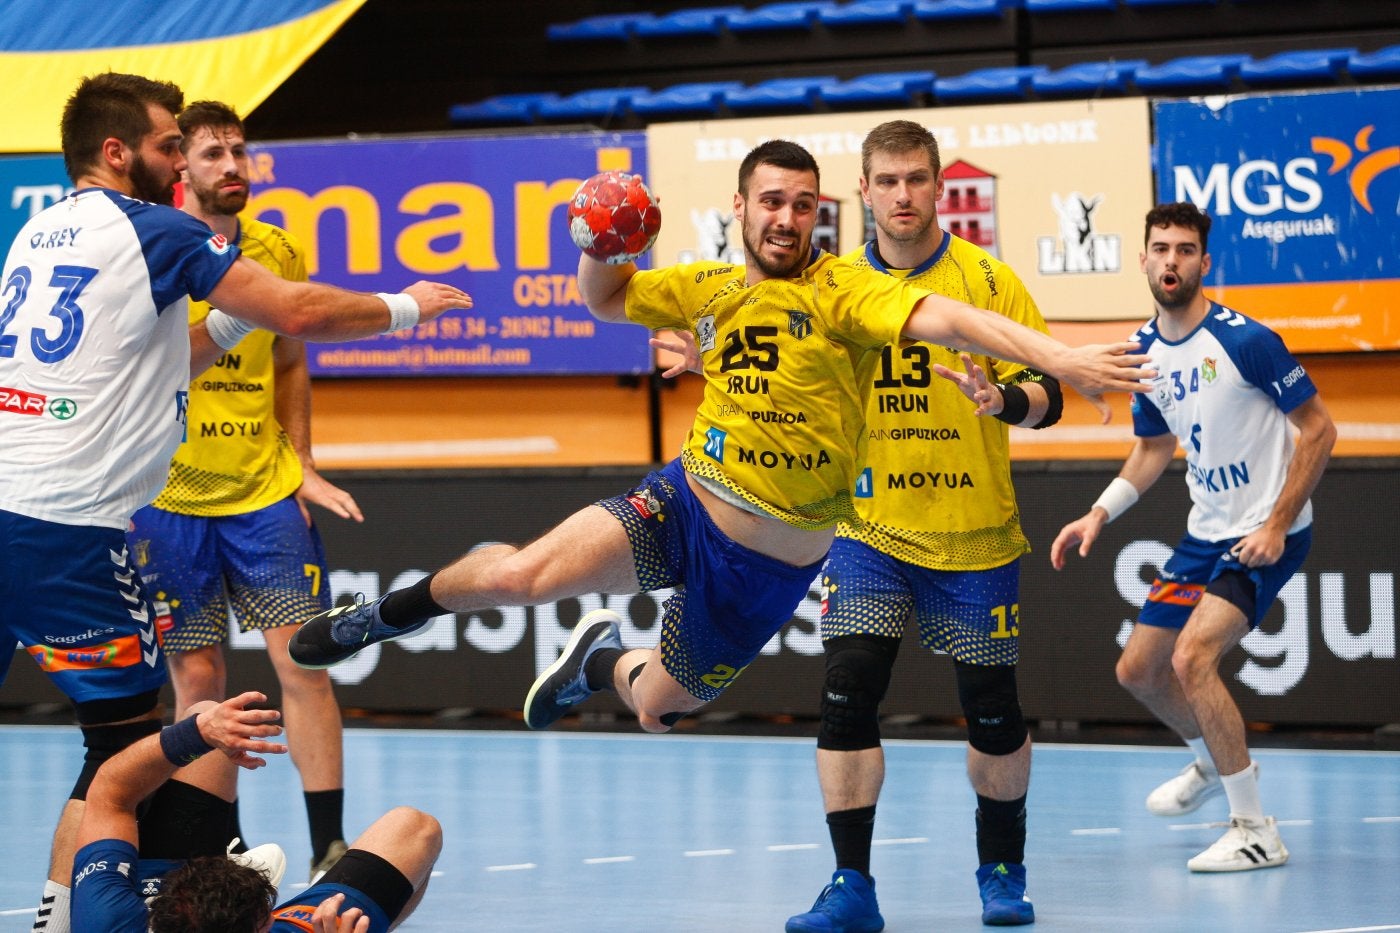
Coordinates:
column 590, row 551
column 178, row 557
column 275, row 565
column 973, row 615
column 82, row 612
column 864, row 592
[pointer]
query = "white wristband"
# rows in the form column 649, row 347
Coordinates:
column 1117, row 498
column 403, row 310
column 225, row 329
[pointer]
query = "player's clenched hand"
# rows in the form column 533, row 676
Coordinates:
column 435, row 298
column 242, row 733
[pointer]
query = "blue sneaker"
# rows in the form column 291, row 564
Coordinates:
column 564, row 683
column 338, row 634
column 1004, row 901
column 847, row 905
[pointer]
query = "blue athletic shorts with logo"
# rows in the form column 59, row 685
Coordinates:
column 71, row 595
column 972, row 615
column 1196, row 563
column 267, row 566
column 729, row 600
column 295, row 914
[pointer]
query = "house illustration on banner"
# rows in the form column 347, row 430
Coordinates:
column 968, row 208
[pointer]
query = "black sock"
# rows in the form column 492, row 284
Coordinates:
column 599, row 669
column 413, row 604
column 1001, row 830
column 851, row 832
column 324, row 809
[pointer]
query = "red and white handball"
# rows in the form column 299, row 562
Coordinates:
column 613, row 217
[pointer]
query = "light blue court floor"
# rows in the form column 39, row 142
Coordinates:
column 578, row 832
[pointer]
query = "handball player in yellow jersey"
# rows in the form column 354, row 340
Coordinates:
column 231, row 531
column 739, row 524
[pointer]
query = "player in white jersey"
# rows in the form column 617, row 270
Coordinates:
column 1227, row 391
column 95, row 358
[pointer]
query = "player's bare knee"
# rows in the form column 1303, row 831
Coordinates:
column 857, row 677
column 988, row 696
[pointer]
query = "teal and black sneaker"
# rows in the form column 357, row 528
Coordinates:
column 1004, row 901
column 564, row 683
column 328, row 638
column 847, row 905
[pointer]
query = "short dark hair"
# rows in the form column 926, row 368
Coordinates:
column 211, row 114
column 899, row 136
column 1178, row 214
column 782, row 153
column 213, row 895
column 110, row 105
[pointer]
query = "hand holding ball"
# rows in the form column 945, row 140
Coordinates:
column 613, row 217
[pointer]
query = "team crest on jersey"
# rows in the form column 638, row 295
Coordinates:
column 219, row 244
column 1208, row 372
column 799, row 324
column 705, row 333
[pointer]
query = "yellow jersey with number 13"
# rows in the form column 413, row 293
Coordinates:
column 935, row 487
column 787, row 365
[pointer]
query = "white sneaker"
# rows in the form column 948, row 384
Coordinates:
column 1185, row 792
column 1246, row 845
column 267, row 858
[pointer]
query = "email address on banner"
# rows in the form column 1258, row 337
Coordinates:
column 422, row 357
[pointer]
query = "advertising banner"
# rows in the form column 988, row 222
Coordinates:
column 1325, row 654
column 1057, row 190
column 484, row 213
column 1304, row 193
column 28, row 184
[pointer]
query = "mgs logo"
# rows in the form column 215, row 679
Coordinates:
column 63, row 408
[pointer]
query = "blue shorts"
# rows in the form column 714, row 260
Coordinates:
column 729, row 600
column 70, row 595
column 266, row 567
column 1195, row 563
column 295, row 913
column 974, row 615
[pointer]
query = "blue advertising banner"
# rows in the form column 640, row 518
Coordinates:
column 484, row 213
column 1304, row 191
column 28, row 184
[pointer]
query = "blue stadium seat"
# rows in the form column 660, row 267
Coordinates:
column 1087, row 79
column 499, row 110
column 697, row 22
column 1069, row 6
column 616, row 26
column 958, row 9
column 779, row 93
column 699, row 98
column 1382, row 64
column 1193, row 72
column 1168, row 2
column 986, row 83
column 891, row 87
column 796, row 15
column 867, row 13
column 1300, row 65
column 593, row 104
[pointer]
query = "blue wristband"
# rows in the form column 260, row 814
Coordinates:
column 182, row 743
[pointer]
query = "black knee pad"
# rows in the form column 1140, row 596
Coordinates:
column 988, row 697
column 102, row 742
column 857, row 676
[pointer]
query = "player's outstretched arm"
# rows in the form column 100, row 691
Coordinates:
column 1092, row 370
column 603, row 287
